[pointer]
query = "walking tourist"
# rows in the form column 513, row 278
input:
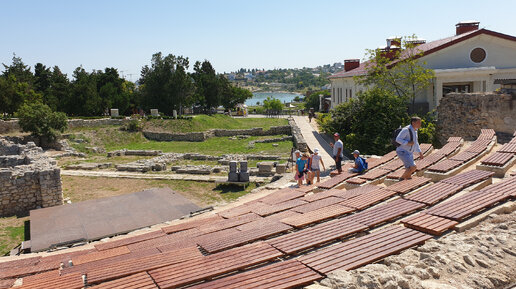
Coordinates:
column 408, row 145
column 338, row 154
column 301, row 168
column 315, row 169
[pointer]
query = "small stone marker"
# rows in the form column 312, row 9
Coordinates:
column 174, row 113
column 114, row 112
column 232, row 166
column 281, row 168
column 154, row 112
column 265, row 167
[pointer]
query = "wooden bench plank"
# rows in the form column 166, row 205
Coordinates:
column 70, row 281
column 464, row 156
column 95, row 256
column 191, row 223
column 129, row 240
column 332, row 182
column 445, row 166
column 282, row 195
column 406, row 186
column 136, row 281
column 318, row 215
column 316, row 235
column 468, row 204
column 498, row 159
column 434, row 193
column 363, row 250
column 261, row 230
column 508, row 148
column 368, row 199
column 133, row 266
column 468, row 178
column 207, row 267
column 271, row 209
column 287, row 274
column 374, row 174
column 505, row 187
column 317, row 205
column 429, row 224
column 385, row 212
column 231, row 222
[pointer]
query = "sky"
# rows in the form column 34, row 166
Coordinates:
column 230, row 34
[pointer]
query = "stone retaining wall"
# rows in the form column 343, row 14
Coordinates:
column 28, row 179
column 202, row 136
column 299, row 140
column 465, row 114
column 12, row 125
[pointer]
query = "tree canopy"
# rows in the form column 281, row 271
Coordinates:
column 398, row 70
column 41, row 121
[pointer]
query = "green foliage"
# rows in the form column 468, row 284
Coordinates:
column 41, row 121
column 398, row 71
column 301, row 78
column 427, row 132
column 272, row 104
column 366, row 122
column 313, row 100
column 134, row 125
column 233, row 95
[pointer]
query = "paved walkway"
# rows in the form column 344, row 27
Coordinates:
column 315, row 140
column 135, row 175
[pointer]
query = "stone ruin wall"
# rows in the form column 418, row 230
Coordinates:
column 465, row 114
column 28, row 179
column 12, row 125
column 202, row 136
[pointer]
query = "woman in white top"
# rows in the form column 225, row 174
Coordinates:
column 314, row 166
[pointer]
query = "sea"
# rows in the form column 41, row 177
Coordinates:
column 285, row 97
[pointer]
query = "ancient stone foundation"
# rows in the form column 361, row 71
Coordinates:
column 28, row 179
column 465, row 114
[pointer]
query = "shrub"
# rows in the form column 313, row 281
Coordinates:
column 133, row 125
column 39, row 119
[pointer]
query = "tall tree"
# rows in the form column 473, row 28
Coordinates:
column 208, row 84
column 59, row 92
column 398, row 70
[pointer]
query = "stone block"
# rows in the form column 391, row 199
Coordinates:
column 233, row 177
column 265, row 167
column 154, row 112
column 243, row 177
column 114, row 112
column 243, row 166
column 281, row 168
column 232, row 166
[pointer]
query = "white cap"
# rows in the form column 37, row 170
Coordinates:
column 316, row 150
column 356, row 152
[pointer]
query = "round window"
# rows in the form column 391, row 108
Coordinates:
column 477, row 55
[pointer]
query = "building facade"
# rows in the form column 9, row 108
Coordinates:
column 473, row 60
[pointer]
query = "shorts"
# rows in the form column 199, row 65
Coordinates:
column 315, row 169
column 338, row 164
column 297, row 177
column 406, row 157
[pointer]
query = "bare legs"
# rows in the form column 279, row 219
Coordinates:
column 408, row 173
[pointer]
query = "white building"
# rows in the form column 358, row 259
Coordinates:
column 473, row 60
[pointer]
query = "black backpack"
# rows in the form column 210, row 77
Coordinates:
column 395, row 135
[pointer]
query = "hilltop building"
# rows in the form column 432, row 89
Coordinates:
column 473, row 60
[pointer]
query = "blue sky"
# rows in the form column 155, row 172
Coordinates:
column 230, row 34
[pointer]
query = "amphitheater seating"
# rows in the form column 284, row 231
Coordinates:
column 429, row 224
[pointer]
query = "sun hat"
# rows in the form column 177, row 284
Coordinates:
column 336, row 134
column 297, row 152
column 356, row 152
column 316, row 150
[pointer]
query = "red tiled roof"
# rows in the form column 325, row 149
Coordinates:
column 428, row 48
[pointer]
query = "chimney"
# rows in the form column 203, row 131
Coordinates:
column 394, row 41
column 416, row 42
column 350, row 64
column 466, row 26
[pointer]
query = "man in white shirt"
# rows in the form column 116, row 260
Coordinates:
column 338, row 153
column 408, row 145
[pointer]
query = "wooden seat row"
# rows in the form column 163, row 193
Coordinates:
column 137, row 281
column 406, row 186
column 368, row 199
column 234, row 238
column 318, row 215
column 434, row 193
column 316, row 235
column 429, row 224
column 498, row 159
column 383, row 213
column 334, row 181
column 207, row 267
column 468, row 178
column 363, row 250
column 280, row 275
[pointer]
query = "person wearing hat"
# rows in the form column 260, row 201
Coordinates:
column 360, row 163
column 301, row 168
column 338, row 154
column 315, row 170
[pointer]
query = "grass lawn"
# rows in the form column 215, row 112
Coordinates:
column 201, row 193
column 12, row 232
column 206, row 122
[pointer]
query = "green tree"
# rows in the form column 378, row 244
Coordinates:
column 313, row 100
column 366, row 122
column 272, row 104
column 165, row 84
column 13, row 93
column 232, row 95
column 41, row 121
column 59, row 91
column 399, row 71
column 84, row 98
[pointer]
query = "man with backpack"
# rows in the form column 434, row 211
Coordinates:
column 407, row 144
column 360, row 163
